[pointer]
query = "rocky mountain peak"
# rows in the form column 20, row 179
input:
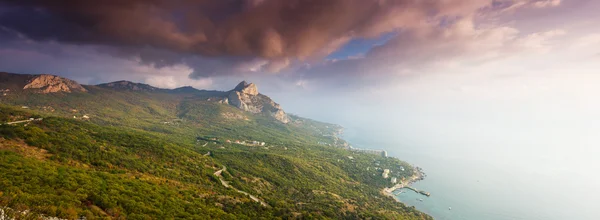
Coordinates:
column 50, row 84
column 245, row 96
column 247, row 88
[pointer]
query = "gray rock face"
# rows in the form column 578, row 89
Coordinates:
column 224, row 101
column 280, row 116
column 246, row 88
column 51, row 84
column 245, row 96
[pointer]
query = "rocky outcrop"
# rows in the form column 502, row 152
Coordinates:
column 224, row 101
column 52, row 84
column 280, row 116
column 245, row 96
column 246, row 88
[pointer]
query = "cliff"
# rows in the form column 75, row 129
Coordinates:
column 51, row 84
column 245, row 96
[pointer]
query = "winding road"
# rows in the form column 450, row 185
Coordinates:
column 226, row 184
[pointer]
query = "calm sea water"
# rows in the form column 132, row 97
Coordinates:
column 498, row 179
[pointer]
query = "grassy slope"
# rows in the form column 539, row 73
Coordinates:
column 137, row 157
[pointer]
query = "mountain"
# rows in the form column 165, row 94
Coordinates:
column 185, row 89
column 128, row 151
column 245, row 96
column 131, row 86
column 43, row 83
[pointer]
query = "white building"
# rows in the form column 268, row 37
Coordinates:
column 386, row 173
column 394, row 180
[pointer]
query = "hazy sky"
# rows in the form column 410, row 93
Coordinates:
column 509, row 84
column 332, row 60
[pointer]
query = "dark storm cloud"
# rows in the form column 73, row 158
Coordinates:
column 274, row 30
column 232, row 37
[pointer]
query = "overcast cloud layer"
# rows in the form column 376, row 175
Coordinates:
column 208, row 43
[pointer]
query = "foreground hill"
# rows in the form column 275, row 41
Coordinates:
column 128, row 150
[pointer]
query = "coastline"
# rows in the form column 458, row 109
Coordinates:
column 389, row 191
column 418, row 175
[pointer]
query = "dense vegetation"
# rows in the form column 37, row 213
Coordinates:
column 138, row 156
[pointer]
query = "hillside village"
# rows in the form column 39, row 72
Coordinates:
column 392, row 174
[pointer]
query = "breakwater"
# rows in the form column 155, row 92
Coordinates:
column 422, row 192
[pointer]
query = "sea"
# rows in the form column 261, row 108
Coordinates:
column 501, row 177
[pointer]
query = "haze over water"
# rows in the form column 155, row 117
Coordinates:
column 494, row 162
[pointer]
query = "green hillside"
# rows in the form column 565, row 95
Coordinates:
column 123, row 154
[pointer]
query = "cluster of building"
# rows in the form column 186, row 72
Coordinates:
column 386, row 174
column 83, row 117
column 254, row 143
column 382, row 153
column 324, row 143
column 216, row 140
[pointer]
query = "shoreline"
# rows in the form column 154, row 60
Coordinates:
column 389, row 191
column 417, row 176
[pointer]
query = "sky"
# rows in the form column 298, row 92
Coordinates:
column 333, row 60
column 505, row 83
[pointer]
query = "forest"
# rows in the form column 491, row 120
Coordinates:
column 137, row 157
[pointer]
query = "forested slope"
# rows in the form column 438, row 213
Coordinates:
column 153, row 155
